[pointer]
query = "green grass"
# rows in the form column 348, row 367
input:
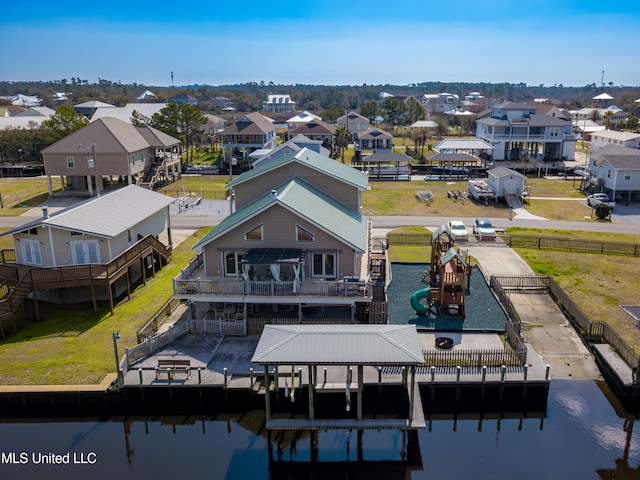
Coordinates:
column 209, row 187
column 72, row 345
column 21, row 194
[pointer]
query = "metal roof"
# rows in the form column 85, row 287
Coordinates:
column 106, row 216
column 305, row 201
column 313, row 160
column 500, row 172
column 455, row 145
column 339, row 345
column 125, row 113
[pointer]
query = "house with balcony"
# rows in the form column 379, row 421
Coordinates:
column 90, row 251
column 518, row 132
column 373, row 139
column 250, row 132
column 109, row 152
column 278, row 104
column 295, row 249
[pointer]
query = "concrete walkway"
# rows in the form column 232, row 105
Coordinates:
column 546, row 328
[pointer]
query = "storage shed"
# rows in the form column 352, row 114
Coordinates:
column 504, row 182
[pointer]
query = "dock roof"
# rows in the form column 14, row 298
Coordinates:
column 339, row 345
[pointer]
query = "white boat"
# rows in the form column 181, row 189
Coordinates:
column 480, row 190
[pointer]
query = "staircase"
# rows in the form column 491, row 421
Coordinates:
column 151, row 177
column 14, row 298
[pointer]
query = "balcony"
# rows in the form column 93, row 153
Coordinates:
column 191, row 284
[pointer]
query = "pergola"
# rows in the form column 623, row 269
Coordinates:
column 357, row 346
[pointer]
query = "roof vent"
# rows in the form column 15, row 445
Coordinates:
column 45, row 212
column 274, row 194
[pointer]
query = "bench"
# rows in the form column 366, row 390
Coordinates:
column 171, row 367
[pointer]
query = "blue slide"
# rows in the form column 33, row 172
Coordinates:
column 420, row 308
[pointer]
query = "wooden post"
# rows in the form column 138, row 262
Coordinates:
column 311, row 384
column 360, row 391
column 413, row 392
column 267, row 399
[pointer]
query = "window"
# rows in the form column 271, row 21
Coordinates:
column 31, row 231
column 304, row 235
column 31, row 252
column 71, row 162
column 254, row 235
column 87, row 251
column 232, row 263
column 627, row 175
column 554, row 132
column 324, row 265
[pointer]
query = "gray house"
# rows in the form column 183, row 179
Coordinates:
column 95, row 249
column 110, row 151
column 616, row 171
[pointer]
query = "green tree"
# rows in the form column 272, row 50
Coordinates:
column 182, row 121
column 65, row 121
column 342, row 137
column 415, row 111
column 632, row 123
column 442, row 127
column 395, row 111
column 331, row 113
column 370, row 110
column 595, row 116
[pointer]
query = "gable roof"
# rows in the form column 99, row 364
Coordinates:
column 313, row 160
column 620, row 158
column 351, row 116
column 500, row 172
column 616, row 135
column 338, row 345
column 112, row 136
column 305, row 201
column 105, row 216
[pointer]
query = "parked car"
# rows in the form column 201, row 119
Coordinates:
column 596, row 198
column 458, row 229
column 483, row 227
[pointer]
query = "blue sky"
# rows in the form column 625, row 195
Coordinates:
column 330, row 42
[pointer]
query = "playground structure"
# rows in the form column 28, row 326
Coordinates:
column 448, row 277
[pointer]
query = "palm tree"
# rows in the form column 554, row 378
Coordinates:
column 342, row 136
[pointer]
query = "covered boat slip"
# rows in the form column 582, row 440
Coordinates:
column 354, row 347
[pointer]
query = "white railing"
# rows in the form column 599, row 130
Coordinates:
column 334, row 288
column 156, row 342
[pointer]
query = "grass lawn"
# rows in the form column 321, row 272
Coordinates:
column 72, row 345
column 21, row 194
column 209, row 187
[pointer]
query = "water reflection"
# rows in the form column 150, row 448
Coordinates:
column 584, row 434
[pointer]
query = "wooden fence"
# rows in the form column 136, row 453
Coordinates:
column 599, row 332
column 475, row 359
column 151, row 327
column 532, row 241
column 572, row 245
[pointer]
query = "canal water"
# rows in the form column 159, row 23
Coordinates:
column 583, row 434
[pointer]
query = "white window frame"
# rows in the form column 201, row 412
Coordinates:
column 324, row 273
column 31, row 254
column 554, row 132
column 298, row 239
column 627, row 175
column 71, row 162
column 89, row 244
column 261, row 227
column 237, row 258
